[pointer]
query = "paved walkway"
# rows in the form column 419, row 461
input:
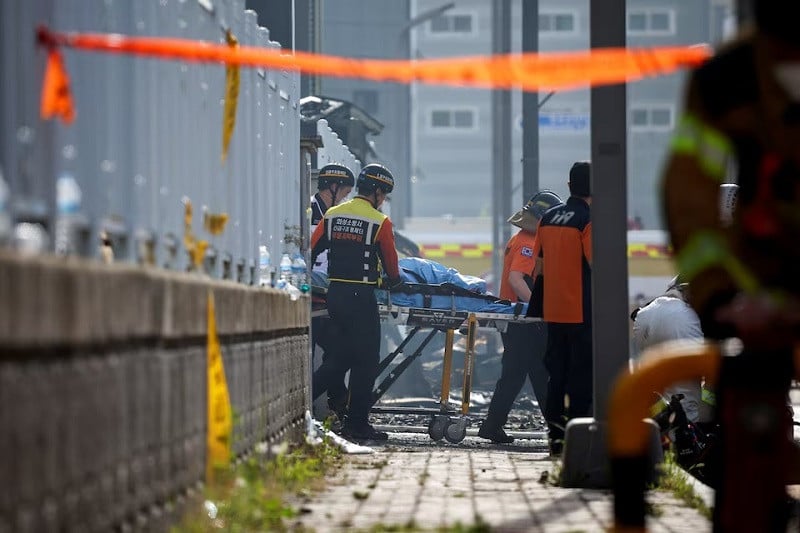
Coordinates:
column 415, row 483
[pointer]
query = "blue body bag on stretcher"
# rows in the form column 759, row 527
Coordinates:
column 435, row 286
column 448, row 289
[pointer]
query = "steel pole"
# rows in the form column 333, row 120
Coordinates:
column 501, row 141
column 530, row 105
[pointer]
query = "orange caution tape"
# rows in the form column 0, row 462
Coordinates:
column 56, row 96
column 530, row 72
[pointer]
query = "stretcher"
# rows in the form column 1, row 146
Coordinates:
column 445, row 423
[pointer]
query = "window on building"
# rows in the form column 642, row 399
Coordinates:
column 639, row 117
column 440, row 119
column 651, row 22
column 462, row 23
column 463, row 119
column 366, row 99
column 452, row 119
column 652, row 117
column 557, row 22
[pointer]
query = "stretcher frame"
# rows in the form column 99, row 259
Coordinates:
column 445, row 422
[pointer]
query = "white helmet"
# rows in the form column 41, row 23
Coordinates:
column 728, row 192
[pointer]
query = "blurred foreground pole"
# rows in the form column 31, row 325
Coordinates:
column 501, row 142
column 609, row 212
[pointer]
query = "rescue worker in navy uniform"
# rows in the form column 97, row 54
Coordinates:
column 523, row 344
column 563, row 246
column 357, row 236
column 743, row 106
column 333, row 185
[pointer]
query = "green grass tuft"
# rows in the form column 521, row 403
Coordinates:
column 252, row 495
column 674, row 480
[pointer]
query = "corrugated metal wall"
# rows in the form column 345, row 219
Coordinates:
column 147, row 136
column 108, row 432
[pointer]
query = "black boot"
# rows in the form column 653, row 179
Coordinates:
column 363, row 431
column 494, row 434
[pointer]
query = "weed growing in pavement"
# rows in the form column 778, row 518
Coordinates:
column 253, row 494
column 674, row 480
column 552, row 477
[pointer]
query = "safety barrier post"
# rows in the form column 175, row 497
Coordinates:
column 629, row 404
column 469, row 362
column 447, row 367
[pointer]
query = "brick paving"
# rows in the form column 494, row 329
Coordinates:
column 415, row 483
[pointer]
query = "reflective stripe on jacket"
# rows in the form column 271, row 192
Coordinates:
column 356, row 236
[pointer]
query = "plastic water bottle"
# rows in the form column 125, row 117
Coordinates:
column 298, row 270
column 294, row 292
column 264, row 267
column 68, row 205
column 302, row 283
column 285, row 268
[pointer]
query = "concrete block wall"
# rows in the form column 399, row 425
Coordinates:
column 103, row 388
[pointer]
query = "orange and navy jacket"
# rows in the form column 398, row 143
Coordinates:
column 564, row 244
column 318, row 209
column 519, row 258
column 357, row 235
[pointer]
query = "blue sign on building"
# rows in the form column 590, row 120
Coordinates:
column 564, row 121
column 561, row 122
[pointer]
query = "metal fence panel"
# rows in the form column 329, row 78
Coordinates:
column 147, row 136
column 333, row 150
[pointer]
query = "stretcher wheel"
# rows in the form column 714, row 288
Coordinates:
column 438, row 426
column 456, row 431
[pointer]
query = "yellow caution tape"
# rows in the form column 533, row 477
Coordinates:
column 214, row 223
column 231, row 97
column 195, row 248
column 220, row 419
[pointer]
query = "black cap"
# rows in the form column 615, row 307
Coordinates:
column 580, row 179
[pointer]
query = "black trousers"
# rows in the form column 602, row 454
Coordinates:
column 523, row 356
column 354, row 311
column 326, row 335
column 569, row 361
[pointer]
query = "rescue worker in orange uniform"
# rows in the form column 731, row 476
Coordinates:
column 563, row 245
column 357, row 236
column 523, row 344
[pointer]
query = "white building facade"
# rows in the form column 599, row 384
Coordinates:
column 451, row 127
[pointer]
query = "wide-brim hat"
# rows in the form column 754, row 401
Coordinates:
column 528, row 217
column 524, row 220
